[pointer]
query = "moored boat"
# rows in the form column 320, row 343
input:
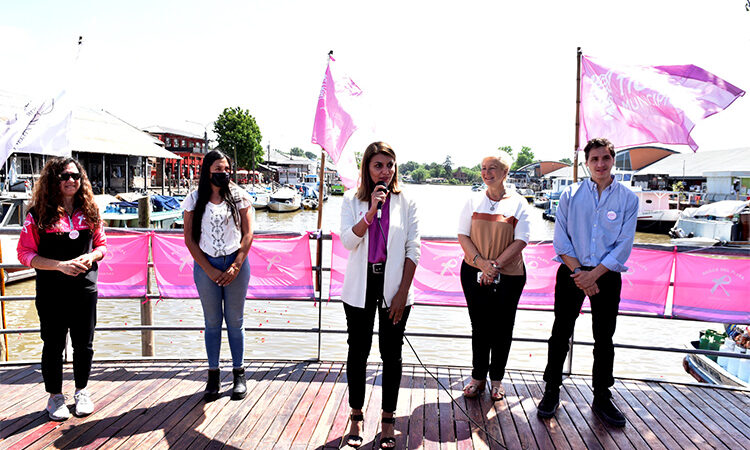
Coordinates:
column 285, row 200
column 726, row 371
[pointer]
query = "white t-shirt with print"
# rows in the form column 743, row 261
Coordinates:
column 220, row 236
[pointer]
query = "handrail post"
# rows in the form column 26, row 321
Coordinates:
column 147, row 310
column 6, row 348
column 320, row 289
column 571, row 344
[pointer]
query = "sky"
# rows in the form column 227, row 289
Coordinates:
column 456, row 79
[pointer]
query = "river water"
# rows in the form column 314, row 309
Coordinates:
column 439, row 207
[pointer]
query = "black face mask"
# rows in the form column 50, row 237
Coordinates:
column 220, row 179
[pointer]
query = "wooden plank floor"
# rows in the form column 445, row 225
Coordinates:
column 290, row 405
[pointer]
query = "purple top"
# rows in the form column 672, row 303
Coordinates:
column 377, row 250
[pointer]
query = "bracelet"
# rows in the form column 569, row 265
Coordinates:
column 474, row 261
column 365, row 219
column 234, row 266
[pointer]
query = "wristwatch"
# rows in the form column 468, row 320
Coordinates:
column 576, row 270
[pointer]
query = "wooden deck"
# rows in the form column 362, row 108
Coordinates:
column 304, row 405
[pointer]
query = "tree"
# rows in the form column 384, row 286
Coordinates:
column 419, row 175
column 311, row 155
column 436, row 171
column 447, row 167
column 507, row 149
column 567, row 161
column 239, row 136
column 407, row 167
column 296, row 151
column 525, row 156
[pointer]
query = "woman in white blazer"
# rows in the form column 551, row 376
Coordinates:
column 379, row 227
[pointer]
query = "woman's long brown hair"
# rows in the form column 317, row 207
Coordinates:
column 46, row 201
column 367, row 185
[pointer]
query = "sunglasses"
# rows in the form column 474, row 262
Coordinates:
column 68, row 175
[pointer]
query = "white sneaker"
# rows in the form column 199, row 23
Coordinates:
column 84, row 405
column 57, row 409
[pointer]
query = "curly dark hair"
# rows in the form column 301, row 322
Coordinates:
column 46, row 201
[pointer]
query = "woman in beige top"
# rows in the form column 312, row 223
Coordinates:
column 493, row 229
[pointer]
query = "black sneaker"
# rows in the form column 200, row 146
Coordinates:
column 607, row 411
column 548, row 406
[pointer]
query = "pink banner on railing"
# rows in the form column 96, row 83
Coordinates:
column 437, row 280
column 712, row 289
column 281, row 268
column 173, row 267
column 339, row 255
column 540, row 276
column 645, row 284
column 123, row 273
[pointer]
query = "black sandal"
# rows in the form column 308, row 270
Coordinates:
column 354, row 440
column 388, row 442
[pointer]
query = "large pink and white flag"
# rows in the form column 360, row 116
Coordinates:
column 42, row 127
column 637, row 105
column 334, row 124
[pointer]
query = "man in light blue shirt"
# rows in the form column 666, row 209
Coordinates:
column 594, row 232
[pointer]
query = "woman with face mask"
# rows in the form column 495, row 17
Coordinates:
column 218, row 233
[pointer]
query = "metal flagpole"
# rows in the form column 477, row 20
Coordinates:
column 578, row 115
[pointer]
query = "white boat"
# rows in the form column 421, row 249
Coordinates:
column 285, row 200
column 260, row 196
column 717, row 221
column 705, row 370
column 654, row 213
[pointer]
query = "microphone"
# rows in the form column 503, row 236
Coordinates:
column 380, row 184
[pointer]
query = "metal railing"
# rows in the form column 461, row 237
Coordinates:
column 147, row 327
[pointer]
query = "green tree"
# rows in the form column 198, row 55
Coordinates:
column 296, row 151
column 447, row 167
column 238, row 135
column 311, row 155
column 507, row 149
column 525, row 156
column 567, row 161
column 436, row 171
column 407, row 167
column 472, row 176
column 419, row 175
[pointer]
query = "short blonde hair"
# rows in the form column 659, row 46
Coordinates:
column 502, row 158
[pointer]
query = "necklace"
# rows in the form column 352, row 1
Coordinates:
column 493, row 203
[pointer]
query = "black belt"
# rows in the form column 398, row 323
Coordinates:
column 376, row 268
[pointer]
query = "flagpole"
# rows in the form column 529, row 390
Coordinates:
column 319, row 252
column 578, row 115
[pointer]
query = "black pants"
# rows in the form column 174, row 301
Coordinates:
column 359, row 326
column 59, row 313
column 604, row 307
column 492, row 310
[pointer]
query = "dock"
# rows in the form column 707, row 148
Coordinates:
column 303, row 405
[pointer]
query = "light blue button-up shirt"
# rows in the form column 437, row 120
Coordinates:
column 596, row 229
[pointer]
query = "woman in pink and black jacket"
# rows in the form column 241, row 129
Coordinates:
column 63, row 238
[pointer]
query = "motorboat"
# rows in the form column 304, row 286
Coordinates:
column 166, row 211
column 527, row 193
column 541, row 199
column 724, row 221
column 285, row 200
column 260, row 197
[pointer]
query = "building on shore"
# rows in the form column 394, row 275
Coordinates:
column 117, row 156
column 289, row 169
column 190, row 147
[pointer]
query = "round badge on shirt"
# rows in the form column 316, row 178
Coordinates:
column 611, row 215
column 74, row 234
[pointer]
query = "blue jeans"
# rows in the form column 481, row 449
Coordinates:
column 223, row 303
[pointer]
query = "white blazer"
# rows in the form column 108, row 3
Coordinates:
column 403, row 242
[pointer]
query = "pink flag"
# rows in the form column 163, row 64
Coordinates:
column 333, row 123
column 711, row 289
column 643, row 105
column 124, row 270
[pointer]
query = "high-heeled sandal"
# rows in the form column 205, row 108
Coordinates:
column 497, row 392
column 474, row 388
column 388, row 442
column 355, row 440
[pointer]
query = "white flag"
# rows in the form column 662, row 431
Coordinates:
column 42, row 128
